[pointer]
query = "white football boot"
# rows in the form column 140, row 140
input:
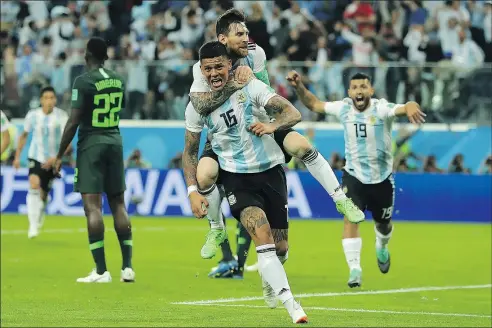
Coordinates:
column 94, row 277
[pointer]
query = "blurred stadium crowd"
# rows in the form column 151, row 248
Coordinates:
column 434, row 52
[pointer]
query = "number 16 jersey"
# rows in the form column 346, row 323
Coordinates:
column 368, row 146
column 99, row 94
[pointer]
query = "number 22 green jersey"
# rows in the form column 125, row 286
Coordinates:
column 99, row 94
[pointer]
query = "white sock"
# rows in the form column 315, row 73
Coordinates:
column 214, row 207
column 351, row 248
column 383, row 240
column 272, row 271
column 41, row 214
column 34, row 206
column 321, row 170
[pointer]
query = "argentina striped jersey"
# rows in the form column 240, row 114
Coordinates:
column 46, row 132
column 238, row 149
column 368, row 148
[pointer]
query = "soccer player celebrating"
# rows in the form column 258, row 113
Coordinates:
column 367, row 175
column 251, row 167
column 233, row 33
column 46, row 124
column 97, row 99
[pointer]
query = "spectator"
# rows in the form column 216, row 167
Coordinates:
column 457, row 165
column 361, row 14
column 136, row 161
column 487, row 28
column 430, row 165
column 336, row 161
column 449, row 19
column 486, row 167
column 466, row 53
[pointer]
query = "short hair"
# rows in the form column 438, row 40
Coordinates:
column 231, row 16
column 48, row 88
column 97, row 49
column 212, row 49
column 361, row 76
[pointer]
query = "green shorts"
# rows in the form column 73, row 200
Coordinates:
column 100, row 168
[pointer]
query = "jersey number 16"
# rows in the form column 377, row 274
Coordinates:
column 107, row 116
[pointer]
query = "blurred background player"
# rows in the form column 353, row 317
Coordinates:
column 231, row 31
column 46, row 124
column 367, row 175
column 4, row 128
column 97, row 99
column 251, row 168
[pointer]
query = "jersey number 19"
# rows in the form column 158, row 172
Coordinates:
column 107, row 115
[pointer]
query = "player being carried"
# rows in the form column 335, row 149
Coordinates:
column 97, row 99
column 231, row 31
column 367, row 175
column 46, row 124
column 250, row 167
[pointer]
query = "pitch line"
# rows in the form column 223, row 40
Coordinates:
column 359, row 310
column 369, row 292
column 84, row 230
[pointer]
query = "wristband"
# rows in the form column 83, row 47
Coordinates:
column 191, row 189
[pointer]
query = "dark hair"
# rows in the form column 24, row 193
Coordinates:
column 212, row 49
column 97, row 49
column 225, row 20
column 48, row 88
column 360, row 76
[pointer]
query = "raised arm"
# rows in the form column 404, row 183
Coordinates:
column 307, row 98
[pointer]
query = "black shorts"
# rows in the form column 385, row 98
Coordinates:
column 46, row 177
column 377, row 198
column 266, row 190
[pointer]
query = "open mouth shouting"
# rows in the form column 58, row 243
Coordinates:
column 216, row 82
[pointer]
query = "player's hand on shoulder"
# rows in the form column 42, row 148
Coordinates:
column 242, row 76
column 260, row 129
column 414, row 113
column 199, row 205
column 294, row 78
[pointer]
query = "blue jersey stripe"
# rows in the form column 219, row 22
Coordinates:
column 46, row 137
column 382, row 162
column 261, row 155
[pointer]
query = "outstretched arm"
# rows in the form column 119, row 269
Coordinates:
column 412, row 110
column 307, row 98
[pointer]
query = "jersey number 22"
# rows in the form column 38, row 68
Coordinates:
column 107, row 116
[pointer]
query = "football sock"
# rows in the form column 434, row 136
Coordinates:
column 214, row 207
column 34, row 207
column 351, row 248
column 382, row 240
column 243, row 244
column 321, row 170
column 272, row 271
column 226, row 247
column 283, row 258
column 96, row 245
column 126, row 246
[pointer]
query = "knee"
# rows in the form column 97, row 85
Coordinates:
column 297, row 145
column 384, row 227
column 282, row 247
column 207, row 172
column 34, row 182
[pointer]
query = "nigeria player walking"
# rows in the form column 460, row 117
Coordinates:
column 45, row 124
column 367, row 175
column 97, row 99
column 250, row 167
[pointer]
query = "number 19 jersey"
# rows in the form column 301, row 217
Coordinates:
column 99, row 94
column 368, row 147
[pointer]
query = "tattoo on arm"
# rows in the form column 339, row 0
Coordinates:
column 253, row 218
column 280, row 234
column 206, row 102
column 190, row 157
column 285, row 114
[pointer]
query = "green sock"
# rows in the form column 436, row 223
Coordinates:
column 126, row 245
column 243, row 243
column 96, row 245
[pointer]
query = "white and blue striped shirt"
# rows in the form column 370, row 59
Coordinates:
column 46, row 132
column 238, row 149
column 368, row 148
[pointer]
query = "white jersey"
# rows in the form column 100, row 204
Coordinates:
column 256, row 59
column 4, row 126
column 238, row 149
column 368, row 147
column 46, row 132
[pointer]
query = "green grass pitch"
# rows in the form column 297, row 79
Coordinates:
column 38, row 287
